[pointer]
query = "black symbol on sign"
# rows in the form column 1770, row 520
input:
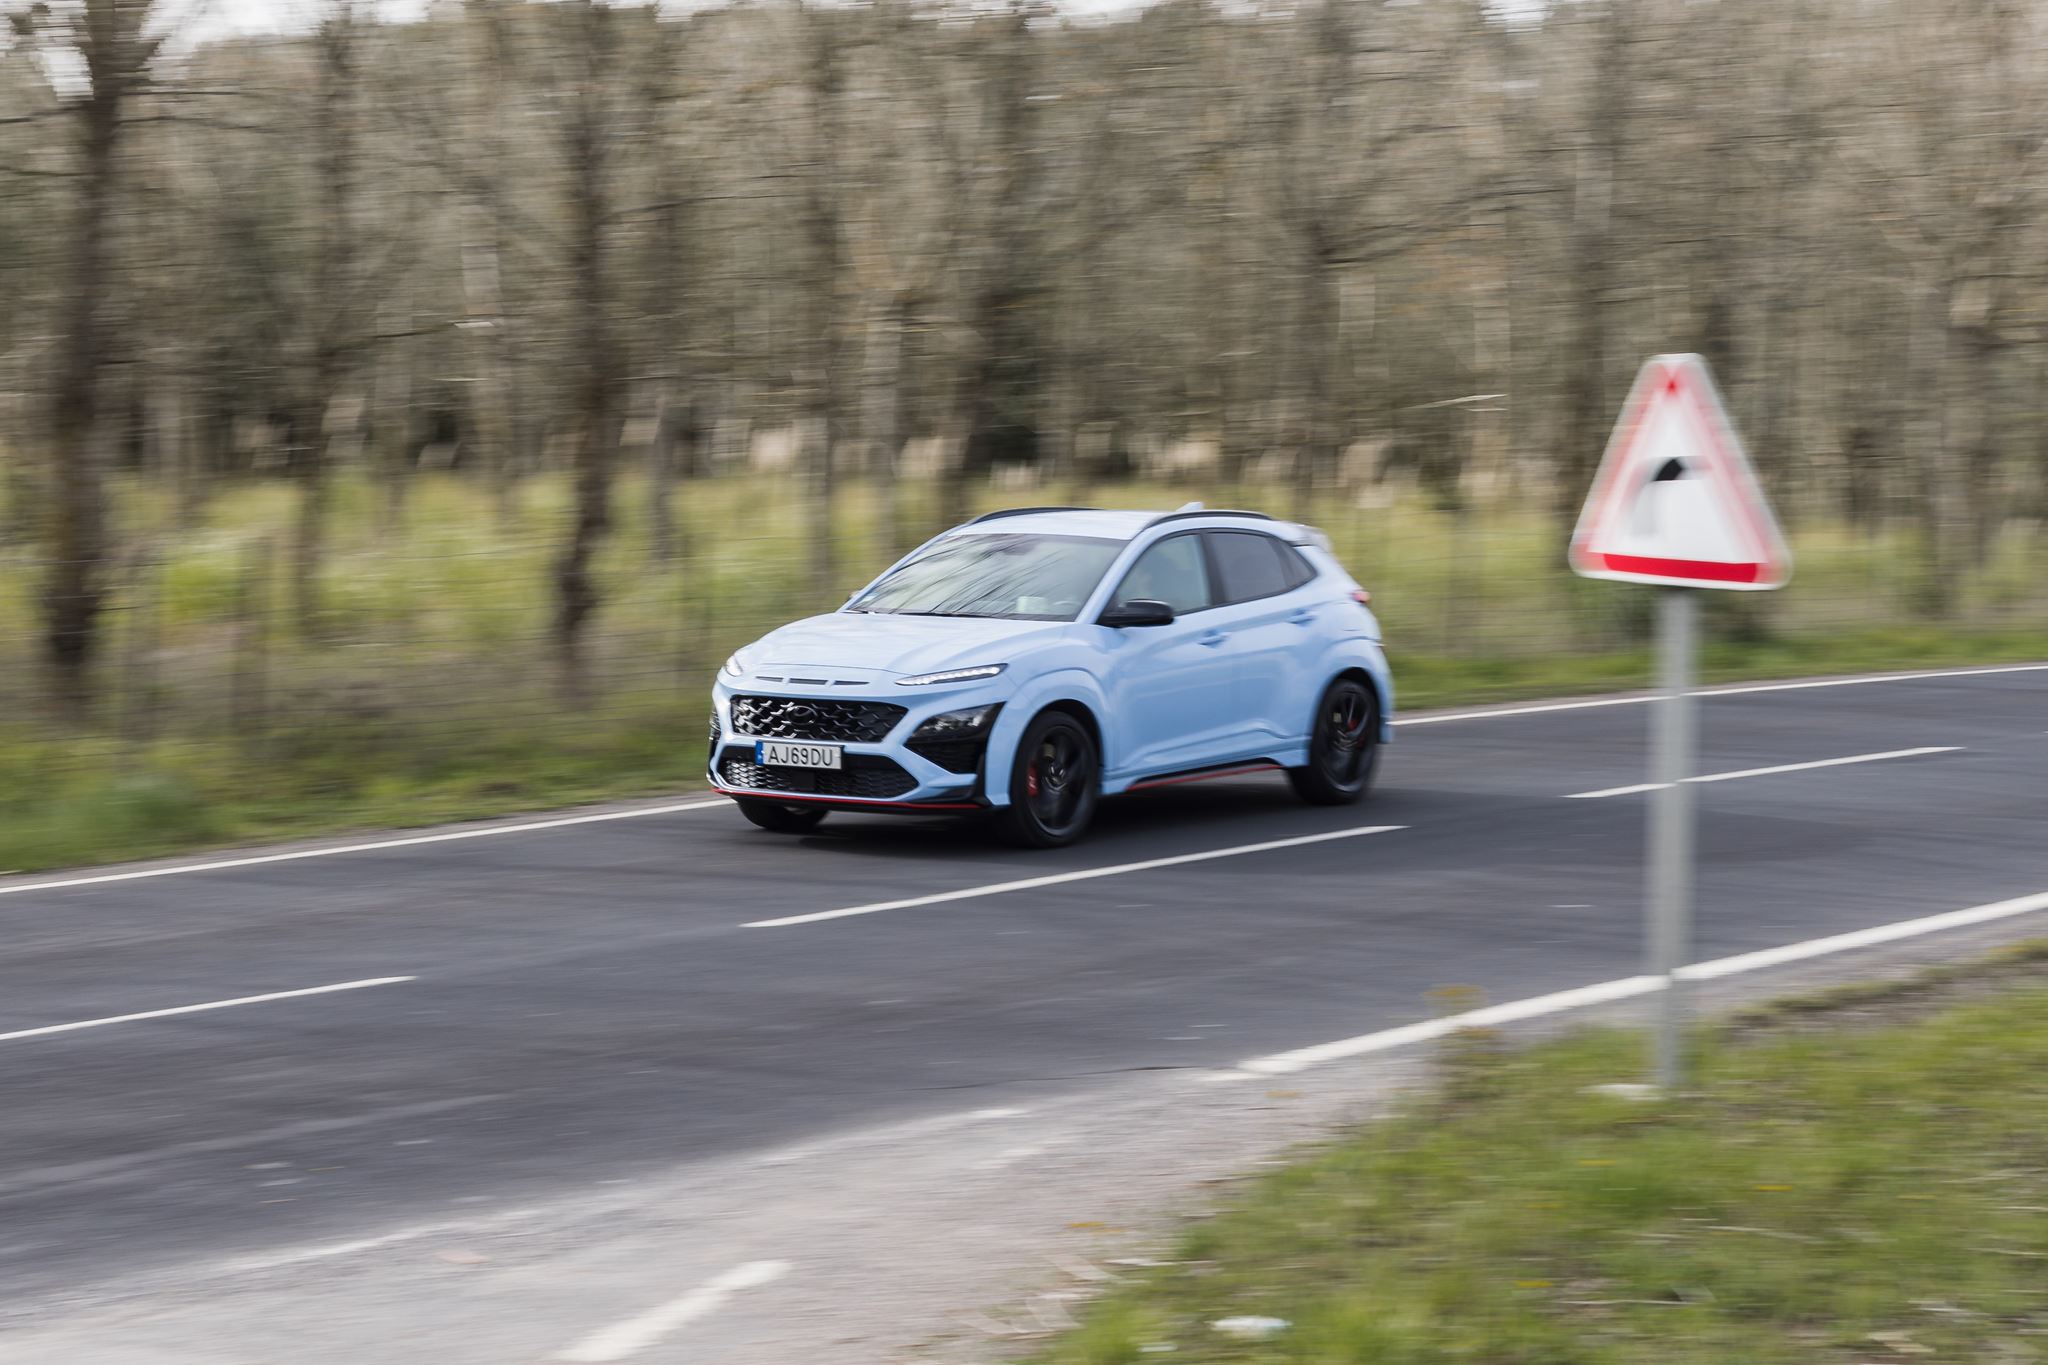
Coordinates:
column 1644, row 514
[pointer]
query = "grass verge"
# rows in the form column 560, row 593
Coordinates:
column 1849, row 1193
column 181, row 795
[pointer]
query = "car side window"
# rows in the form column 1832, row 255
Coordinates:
column 1249, row 565
column 1173, row 572
column 1299, row 570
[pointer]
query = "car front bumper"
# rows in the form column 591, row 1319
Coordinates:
column 883, row 773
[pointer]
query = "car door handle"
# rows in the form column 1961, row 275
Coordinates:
column 1213, row 638
column 1302, row 616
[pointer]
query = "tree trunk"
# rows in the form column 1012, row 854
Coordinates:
column 1321, row 442
column 1969, row 452
column 1591, row 264
column 587, row 138
column 826, row 345
column 309, row 451
column 75, row 589
column 499, row 425
column 1000, row 287
column 661, row 475
column 391, row 425
column 334, row 246
column 888, row 339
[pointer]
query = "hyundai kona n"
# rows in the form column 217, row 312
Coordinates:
column 1033, row 661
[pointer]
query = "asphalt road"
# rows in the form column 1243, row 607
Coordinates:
column 588, row 1002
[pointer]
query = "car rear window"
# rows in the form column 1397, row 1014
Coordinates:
column 1299, row 570
column 1249, row 565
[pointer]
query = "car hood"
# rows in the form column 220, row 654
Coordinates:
column 879, row 643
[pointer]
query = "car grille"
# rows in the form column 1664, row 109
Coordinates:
column 831, row 722
column 865, row 775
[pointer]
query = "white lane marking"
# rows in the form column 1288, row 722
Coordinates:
column 1768, row 772
column 1544, row 708
column 209, row 1005
column 636, row 1334
column 1060, row 878
column 328, row 1250
column 1280, row 1063
column 1865, row 938
column 409, row 841
column 1407, row 1035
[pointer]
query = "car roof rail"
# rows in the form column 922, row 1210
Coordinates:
column 1025, row 512
column 1165, row 517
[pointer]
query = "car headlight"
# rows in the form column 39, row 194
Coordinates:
column 952, row 675
column 972, row 723
column 736, row 666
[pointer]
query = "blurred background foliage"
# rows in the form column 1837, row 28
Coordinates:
column 402, row 417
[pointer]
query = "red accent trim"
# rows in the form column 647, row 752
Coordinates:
column 1706, row 569
column 1203, row 777
column 783, row 798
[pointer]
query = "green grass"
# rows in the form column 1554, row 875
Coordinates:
column 427, row 691
column 59, row 811
column 1836, row 1195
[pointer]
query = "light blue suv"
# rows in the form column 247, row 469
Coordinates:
column 1033, row 661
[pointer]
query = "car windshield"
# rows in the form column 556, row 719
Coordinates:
column 1014, row 577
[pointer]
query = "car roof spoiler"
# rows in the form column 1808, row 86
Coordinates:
column 1165, row 517
column 1025, row 512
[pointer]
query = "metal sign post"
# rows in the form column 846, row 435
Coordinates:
column 1675, row 743
column 1676, row 504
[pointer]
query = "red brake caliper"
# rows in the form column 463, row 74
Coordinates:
column 1031, row 780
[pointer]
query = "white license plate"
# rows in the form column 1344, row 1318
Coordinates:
column 782, row 753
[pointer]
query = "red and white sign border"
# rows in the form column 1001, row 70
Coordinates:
column 1683, row 379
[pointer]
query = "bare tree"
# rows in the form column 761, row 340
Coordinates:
column 488, row 321
column 112, row 48
column 587, row 123
column 1602, row 135
column 331, row 303
column 827, row 278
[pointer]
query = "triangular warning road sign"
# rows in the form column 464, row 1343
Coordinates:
column 1675, row 501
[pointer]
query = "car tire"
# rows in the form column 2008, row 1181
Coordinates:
column 1054, row 784
column 781, row 818
column 1343, row 745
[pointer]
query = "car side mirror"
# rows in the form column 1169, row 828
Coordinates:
column 1143, row 612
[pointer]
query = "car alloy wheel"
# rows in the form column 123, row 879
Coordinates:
column 1344, row 746
column 1054, row 784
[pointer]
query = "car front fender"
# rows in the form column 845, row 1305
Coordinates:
column 1071, row 685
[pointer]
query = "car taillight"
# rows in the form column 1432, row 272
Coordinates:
column 1361, row 596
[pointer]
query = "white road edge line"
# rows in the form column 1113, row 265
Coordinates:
column 1282, row 1063
column 1543, row 708
column 636, row 1334
column 1767, row 772
column 209, row 1005
column 1060, row 878
column 409, row 841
